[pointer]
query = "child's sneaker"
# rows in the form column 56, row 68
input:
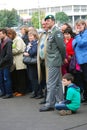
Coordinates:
column 65, row 112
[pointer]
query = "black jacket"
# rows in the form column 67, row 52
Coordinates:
column 25, row 39
column 6, row 56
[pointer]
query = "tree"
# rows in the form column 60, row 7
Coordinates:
column 61, row 17
column 13, row 18
column 9, row 18
column 3, row 18
column 36, row 16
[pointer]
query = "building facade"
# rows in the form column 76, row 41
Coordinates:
column 73, row 11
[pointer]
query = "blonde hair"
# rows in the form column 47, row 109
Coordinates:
column 35, row 33
column 25, row 28
column 81, row 21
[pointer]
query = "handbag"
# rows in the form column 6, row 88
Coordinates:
column 72, row 64
column 29, row 60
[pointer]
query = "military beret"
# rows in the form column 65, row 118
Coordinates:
column 50, row 17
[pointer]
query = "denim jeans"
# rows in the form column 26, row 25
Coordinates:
column 61, row 106
column 5, row 81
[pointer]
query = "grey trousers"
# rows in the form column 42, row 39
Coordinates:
column 54, row 86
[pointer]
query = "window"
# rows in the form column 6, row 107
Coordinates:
column 77, row 8
column 66, row 8
column 83, row 8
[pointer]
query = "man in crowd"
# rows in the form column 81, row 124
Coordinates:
column 42, row 69
column 6, row 61
column 55, row 55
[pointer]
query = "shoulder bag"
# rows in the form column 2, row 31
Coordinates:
column 29, row 60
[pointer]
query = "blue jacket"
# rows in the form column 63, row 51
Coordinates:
column 33, row 50
column 80, row 47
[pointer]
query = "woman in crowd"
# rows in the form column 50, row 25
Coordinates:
column 18, row 74
column 65, row 26
column 24, row 31
column 68, row 38
column 80, row 47
column 31, row 50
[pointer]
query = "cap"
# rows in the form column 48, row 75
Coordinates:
column 50, row 17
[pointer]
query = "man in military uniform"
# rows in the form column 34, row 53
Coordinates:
column 55, row 55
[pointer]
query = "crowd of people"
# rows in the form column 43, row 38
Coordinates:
column 59, row 75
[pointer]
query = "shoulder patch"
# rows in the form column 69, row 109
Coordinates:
column 58, row 35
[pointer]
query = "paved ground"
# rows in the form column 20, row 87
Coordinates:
column 22, row 113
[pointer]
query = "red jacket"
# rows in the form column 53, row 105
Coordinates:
column 69, row 48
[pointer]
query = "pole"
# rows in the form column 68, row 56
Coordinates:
column 39, row 14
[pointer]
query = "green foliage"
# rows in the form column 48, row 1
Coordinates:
column 3, row 18
column 8, row 18
column 61, row 17
column 36, row 19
